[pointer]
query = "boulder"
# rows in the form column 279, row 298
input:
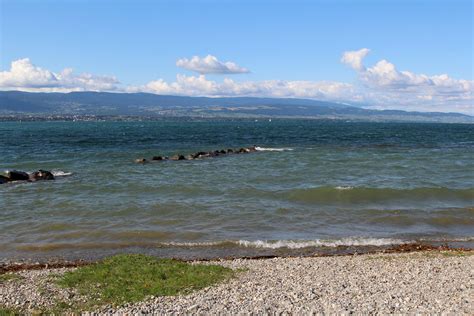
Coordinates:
column 244, row 150
column 181, row 157
column 141, row 160
column 41, row 175
column 223, row 152
column 157, row 158
column 253, row 148
column 200, row 154
column 4, row 179
column 15, row 175
column 230, row 151
column 175, row 157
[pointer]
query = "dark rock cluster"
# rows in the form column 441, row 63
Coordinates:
column 15, row 175
column 200, row 154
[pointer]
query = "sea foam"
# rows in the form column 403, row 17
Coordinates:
column 272, row 149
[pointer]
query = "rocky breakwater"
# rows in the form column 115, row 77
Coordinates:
column 200, row 155
column 15, row 175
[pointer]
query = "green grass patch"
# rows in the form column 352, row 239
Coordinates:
column 456, row 253
column 5, row 311
column 8, row 277
column 130, row 278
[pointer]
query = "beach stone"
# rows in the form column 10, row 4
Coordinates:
column 15, row 175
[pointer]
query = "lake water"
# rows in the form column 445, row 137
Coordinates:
column 314, row 185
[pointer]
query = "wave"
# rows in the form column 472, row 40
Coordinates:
column 344, row 188
column 250, row 244
column 294, row 244
column 291, row 244
column 272, row 149
column 348, row 194
column 60, row 173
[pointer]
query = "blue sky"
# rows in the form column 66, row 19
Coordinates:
column 291, row 48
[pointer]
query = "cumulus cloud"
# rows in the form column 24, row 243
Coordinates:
column 210, row 65
column 354, row 58
column 201, row 86
column 24, row 75
column 380, row 86
column 386, row 86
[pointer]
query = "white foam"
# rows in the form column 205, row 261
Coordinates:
column 272, row 149
column 60, row 173
column 344, row 188
column 321, row 243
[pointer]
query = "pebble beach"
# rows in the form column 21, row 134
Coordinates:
column 419, row 282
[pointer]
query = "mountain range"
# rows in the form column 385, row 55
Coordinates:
column 152, row 105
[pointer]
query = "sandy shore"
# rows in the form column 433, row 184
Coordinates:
column 420, row 282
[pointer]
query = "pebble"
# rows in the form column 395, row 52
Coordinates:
column 414, row 283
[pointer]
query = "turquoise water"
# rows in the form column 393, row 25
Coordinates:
column 314, row 184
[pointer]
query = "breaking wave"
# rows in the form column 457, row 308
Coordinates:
column 60, row 173
column 272, row 149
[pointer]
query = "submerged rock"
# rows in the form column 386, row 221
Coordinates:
column 201, row 154
column 41, row 175
column 15, row 175
column 141, row 160
column 4, row 179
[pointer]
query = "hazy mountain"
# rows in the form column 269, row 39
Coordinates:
column 145, row 104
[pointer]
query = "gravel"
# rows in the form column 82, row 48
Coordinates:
column 426, row 282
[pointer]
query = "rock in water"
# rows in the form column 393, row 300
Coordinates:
column 157, row 158
column 181, row 157
column 4, row 179
column 140, row 160
column 15, row 175
column 42, row 175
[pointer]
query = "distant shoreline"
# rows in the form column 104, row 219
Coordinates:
column 196, row 118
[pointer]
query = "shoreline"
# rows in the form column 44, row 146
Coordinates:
column 57, row 263
column 414, row 281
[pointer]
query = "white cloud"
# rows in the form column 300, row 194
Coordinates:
column 380, row 86
column 354, row 58
column 387, row 87
column 210, row 65
column 25, row 76
column 201, row 86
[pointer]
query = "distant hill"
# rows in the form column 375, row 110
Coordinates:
column 146, row 104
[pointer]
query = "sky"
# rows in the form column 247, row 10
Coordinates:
column 406, row 54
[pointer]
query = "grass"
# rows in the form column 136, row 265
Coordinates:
column 130, row 278
column 5, row 311
column 9, row 276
